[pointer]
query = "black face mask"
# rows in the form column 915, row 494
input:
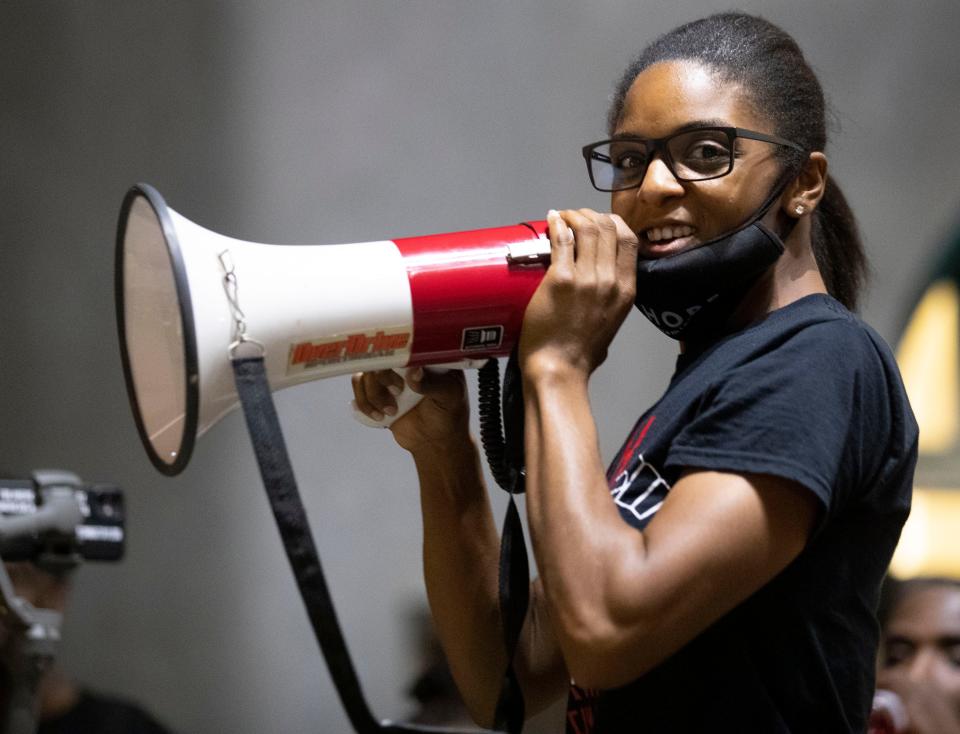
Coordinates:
column 691, row 295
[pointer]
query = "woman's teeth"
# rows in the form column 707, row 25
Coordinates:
column 663, row 234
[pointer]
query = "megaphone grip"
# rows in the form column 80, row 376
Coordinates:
column 407, row 400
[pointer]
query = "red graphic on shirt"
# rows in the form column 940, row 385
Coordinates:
column 580, row 709
column 631, row 448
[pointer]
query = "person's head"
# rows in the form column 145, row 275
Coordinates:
column 920, row 634
column 734, row 70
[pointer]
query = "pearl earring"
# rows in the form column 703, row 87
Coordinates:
column 799, row 209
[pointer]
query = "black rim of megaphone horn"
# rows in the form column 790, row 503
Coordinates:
column 192, row 401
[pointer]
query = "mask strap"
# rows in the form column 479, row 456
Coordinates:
column 778, row 188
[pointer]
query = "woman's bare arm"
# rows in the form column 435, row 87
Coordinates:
column 461, row 549
column 622, row 600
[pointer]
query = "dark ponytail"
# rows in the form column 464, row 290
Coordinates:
column 767, row 64
column 837, row 247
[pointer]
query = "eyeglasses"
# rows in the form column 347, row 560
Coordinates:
column 691, row 155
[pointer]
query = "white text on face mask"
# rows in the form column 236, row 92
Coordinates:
column 671, row 322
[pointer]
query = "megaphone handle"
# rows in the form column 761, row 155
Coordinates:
column 406, row 401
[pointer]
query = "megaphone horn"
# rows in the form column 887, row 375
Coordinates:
column 317, row 310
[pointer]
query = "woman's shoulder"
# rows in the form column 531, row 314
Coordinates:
column 813, row 343
column 819, row 345
column 818, row 327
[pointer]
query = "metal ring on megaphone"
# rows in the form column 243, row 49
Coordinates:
column 236, row 345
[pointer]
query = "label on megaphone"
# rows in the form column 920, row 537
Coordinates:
column 337, row 349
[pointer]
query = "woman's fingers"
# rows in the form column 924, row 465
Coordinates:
column 605, row 249
column 445, row 387
column 626, row 256
column 375, row 393
column 561, row 241
column 586, row 231
column 414, row 377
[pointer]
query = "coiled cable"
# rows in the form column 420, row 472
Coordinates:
column 491, row 425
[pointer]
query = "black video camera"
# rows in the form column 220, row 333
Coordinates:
column 91, row 528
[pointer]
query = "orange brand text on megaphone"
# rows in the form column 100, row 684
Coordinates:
column 352, row 347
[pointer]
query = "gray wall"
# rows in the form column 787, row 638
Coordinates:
column 334, row 122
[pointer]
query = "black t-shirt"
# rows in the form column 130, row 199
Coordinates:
column 96, row 714
column 813, row 395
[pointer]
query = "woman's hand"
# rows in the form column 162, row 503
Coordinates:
column 584, row 297
column 440, row 419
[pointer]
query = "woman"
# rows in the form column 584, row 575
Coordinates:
column 723, row 573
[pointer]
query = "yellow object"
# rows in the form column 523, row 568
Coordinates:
column 928, row 358
column 930, row 542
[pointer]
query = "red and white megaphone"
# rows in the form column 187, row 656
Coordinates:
column 317, row 310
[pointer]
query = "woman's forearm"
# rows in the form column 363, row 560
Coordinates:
column 579, row 539
column 460, row 557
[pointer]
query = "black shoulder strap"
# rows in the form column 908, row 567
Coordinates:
column 277, row 474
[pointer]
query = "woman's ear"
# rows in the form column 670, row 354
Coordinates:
column 806, row 190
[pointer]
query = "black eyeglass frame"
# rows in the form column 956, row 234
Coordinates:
column 659, row 145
